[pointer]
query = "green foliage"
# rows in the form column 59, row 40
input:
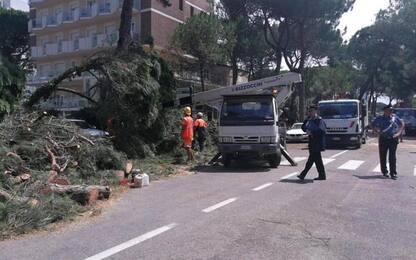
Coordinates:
column 12, row 81
column 18, row 218
column 250, row 51
column 204, row 37
column 385, row 51
column 14, row 36
column 132, row 88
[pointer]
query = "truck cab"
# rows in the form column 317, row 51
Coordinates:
column 248, row 128
column 346, row 121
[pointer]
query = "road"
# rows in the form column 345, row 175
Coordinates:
column 252, row 212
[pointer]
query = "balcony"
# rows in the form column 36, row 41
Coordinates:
column 71, row 16
column 41, row 78
column 64, row 104
column 52, row 21
column 68, row 17
column 89, row 12
column 37, row 24
column 105, row 8
column 80, row 44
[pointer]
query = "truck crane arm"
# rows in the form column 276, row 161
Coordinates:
column 283, row 84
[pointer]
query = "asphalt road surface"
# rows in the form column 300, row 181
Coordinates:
column 252, row 212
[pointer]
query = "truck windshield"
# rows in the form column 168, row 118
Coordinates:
column 339, row 110
column 408, row 115
column 247, row 109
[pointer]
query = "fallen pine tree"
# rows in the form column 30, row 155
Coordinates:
column 49, row 171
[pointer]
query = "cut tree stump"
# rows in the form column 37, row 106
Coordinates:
column 82, row 194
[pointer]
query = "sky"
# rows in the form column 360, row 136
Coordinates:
column 364, row 13
column 20, row 4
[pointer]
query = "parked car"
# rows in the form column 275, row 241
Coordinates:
column 296, row 134
column 87, row 129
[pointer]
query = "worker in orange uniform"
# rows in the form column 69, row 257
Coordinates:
column 200, row 128
column 188, row 132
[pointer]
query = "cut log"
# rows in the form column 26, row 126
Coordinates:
column 128, row 168
column 82, row 194
column 5, row 196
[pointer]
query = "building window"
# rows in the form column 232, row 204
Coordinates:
column 192, row 11
column 181, row 5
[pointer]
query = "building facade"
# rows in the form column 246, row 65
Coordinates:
column 5, row 4
column 64, row 33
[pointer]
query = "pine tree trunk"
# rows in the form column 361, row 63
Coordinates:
column 125, row 25
column 235, row 69
column 201, row 75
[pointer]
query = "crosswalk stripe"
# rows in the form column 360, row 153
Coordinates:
column 351, row 165
column 338, row 154
column 289, row 176
column 327, row 160
column 378, row 168
column 297, row 159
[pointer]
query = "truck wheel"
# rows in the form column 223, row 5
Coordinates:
column 226, row 160
column 364, row 139
column 275, row 160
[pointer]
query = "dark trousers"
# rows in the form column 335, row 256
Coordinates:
column 314, row 157
column 388, row 146
column 201, row 143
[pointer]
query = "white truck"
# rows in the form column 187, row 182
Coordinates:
column 249, row 115
column 346, row 121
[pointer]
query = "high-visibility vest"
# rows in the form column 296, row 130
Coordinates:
column 200, row 123
column 187, row 128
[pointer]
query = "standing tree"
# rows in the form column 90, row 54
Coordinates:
column 125, row 25
column 385, row 52
column 12, row 81
column 203, row 37
column 14, row 36
column 300, row 30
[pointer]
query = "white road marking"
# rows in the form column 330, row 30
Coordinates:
column 351, row 165
column 289, row 176
column 219, row 205
column 338, row 154
column 132, row 242
column 378, row 168
column 263, row 186
column 327, row 160
column 414, row 171
column 297, row 159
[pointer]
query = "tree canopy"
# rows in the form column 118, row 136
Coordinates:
column 204, row 37
column 14, row 36
column 386, row 51
column 12, row 81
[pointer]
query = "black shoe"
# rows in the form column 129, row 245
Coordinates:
column 319, row 179
column 394, row 176
column 300, row 177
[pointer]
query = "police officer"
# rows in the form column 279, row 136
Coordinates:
column 316, row 129
column 389, row 127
